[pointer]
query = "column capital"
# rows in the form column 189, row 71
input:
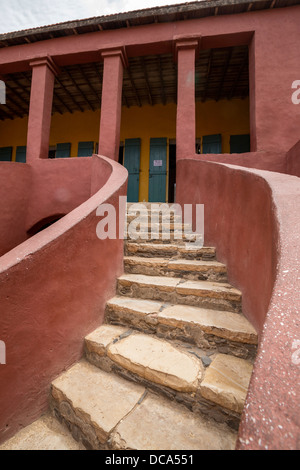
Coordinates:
column 45, row 60
column 115, row 52
column 185, row 42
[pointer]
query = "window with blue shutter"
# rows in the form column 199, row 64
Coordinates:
column 63, row 150
column 212, row 143
column 21, row 154
column 85, row 149
column 5, row 154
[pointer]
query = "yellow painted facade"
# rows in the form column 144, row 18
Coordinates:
column 223, row 117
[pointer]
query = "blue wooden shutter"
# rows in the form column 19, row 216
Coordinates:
column 85, row 149
column 158, row 170
column 5, row 154
column 21, row 154
column 240, row 143
column 212, row 143
column 63, row 150
column 132, row 163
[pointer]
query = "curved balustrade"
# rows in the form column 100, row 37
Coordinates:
column 252, row 217
column 53, row 289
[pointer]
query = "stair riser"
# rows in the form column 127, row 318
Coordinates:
column 158, row 293
column 193, row 401
column 208, row 274
column 201, row 255
column 150, row 324
column 79, row 425
column 160, row 218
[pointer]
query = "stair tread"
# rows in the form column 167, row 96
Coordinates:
column 93, row 394
column 169, row 426
column 46, row 433
column 192, row 265
column 225, row 324
column 155, row 360
column 181, row 285
column 226, row 381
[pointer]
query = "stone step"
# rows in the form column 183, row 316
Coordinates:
column 212, row 330
column 147, row 357
column 145, row 219
column 226, row 382
column 160, row 226
column 187, row 269
column 106, row 412
column 169, row 250
column 46, row 433
column 172, row 371
column 205, row 294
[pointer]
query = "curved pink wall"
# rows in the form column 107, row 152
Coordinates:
column 53, row 289
column 15, row 184
column 252, row 217
column 58, row 186
column 293, row 160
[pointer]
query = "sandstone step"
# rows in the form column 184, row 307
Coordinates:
column 148, row 357
column 169, row 370
column 93, row 402
column 107, row 412
column 46, row 433
column 160, row 226
column 158, row 424
column 206, row 294
column 226, row 382
column 187, row 269
column 210, row 329
column 168, row 250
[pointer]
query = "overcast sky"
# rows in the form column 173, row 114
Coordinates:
column 23, row 14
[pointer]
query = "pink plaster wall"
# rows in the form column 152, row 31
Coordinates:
column 293, row 159
column 53, row 289
column 15, row 185
column 58, row 186
column 252, row 217
column 270, row 161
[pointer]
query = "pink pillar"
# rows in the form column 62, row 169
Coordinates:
column 185, row 55
column 44, row 71
column 111, row 104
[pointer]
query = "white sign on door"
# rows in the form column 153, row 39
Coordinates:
column 157, row 162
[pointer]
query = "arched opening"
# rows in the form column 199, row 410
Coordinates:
column 44, row 223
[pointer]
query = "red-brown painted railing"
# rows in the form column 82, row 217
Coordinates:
column 252, row 217
column 53, row 289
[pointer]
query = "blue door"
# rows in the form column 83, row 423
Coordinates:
column 132, row 164
column 158, row 170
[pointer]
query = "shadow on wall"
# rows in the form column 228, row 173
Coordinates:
column 44, row 223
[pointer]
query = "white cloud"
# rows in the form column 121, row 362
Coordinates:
column 16, row 15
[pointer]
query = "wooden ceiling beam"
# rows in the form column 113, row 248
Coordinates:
column 79, row 90
column 69, row 94
column 143, row 64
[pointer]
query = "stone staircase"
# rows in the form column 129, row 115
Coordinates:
column 170, row 368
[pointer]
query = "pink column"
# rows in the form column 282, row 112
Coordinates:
column 185, row 55
column 44, row 71
column 111, row 104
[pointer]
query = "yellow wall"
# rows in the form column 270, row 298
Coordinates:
column 223, row 117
